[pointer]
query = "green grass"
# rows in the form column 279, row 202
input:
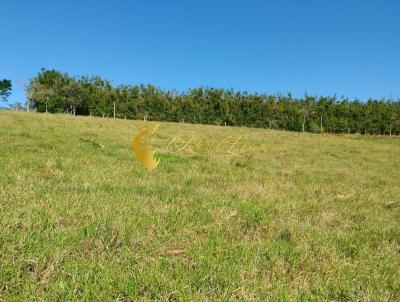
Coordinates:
column 304, row 217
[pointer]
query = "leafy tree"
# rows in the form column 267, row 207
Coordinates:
column 5, row 89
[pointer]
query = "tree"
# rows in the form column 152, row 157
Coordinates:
column 72, row 95
column 44, row 91
column 41, row 94
column 5, row 89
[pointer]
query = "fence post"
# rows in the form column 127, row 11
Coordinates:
column 321, row 123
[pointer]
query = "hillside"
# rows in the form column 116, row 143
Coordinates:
column 296, row 216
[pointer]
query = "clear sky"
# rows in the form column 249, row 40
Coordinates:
column 322, row 47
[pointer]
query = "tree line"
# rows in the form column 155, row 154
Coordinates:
column 53, row 91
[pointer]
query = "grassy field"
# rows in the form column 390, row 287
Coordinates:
column 300, row 217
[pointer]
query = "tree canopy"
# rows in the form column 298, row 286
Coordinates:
column 5, row 89
column 54, row 91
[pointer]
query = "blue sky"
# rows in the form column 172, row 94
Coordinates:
column 321, row 47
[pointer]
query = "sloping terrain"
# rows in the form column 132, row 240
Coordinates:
column 230, row 214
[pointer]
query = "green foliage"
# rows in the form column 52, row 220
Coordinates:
column 5, row 89
column 314, row 127
column 56, row 92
